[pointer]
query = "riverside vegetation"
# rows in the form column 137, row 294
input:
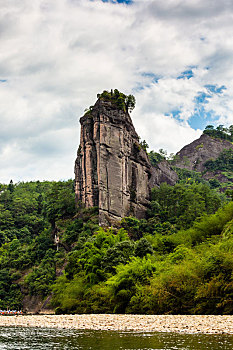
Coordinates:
column 178, row 261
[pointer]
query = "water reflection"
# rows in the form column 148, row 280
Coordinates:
column 36, row 338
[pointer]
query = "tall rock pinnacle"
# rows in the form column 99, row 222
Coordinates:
column 112, row 170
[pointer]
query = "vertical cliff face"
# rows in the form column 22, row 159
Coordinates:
column 112, row 171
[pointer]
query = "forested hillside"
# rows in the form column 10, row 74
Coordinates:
column 210, row 157
column 178, row 260
column 28, row 257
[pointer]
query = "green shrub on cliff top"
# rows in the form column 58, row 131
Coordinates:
column 122, row 101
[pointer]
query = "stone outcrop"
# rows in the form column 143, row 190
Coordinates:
column 162, row 172
column 194, row 155
column 112, row 171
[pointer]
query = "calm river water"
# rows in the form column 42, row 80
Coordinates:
column 37, row 338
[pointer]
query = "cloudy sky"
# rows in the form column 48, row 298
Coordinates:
column 175, row 56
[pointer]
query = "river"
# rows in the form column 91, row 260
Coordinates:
column 46, row 338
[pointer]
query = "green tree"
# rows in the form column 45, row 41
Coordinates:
column 143, row 247
column 144, row 145
column 11, row 186
column 130, row 103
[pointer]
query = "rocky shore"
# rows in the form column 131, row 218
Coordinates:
column 146, row 323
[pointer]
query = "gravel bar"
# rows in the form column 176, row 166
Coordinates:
column 207, row 324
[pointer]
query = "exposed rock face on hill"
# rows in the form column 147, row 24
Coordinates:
column 112, row 170
column 194, row 155
column 163, row 173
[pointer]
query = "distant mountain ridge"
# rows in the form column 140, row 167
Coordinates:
column 194, row 155
column 211, row 156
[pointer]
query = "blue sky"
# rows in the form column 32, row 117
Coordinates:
column 175, row 56
column 127, row 2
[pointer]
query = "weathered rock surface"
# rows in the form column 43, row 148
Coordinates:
column 112, row 170
column 194, row 155
column 163, row 173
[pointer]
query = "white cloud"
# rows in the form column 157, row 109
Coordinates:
column 57, row 55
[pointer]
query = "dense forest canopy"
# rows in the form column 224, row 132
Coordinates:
column 178, row 260
column 28, row 258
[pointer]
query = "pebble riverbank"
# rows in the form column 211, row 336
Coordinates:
column 144, row 323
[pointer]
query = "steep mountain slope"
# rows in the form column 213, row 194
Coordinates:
column 197, row 153
column 211, row 157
